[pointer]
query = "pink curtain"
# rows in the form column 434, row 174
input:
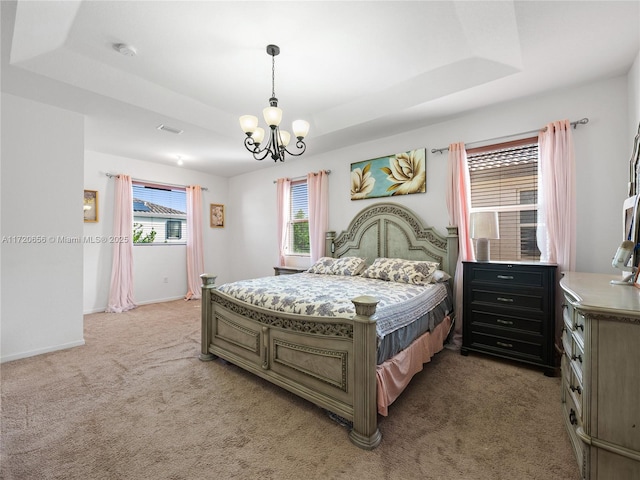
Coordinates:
column 121, row 289
column 556, row 202
column 195, row 256
column 458, row 206
column 318, row 194
column 282, row 215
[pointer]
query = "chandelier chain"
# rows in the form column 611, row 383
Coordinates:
column 273, row 75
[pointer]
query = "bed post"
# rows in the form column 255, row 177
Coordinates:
column 208, row 284
column 365, row 433
column 329, row 247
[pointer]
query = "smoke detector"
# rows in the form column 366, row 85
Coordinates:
column 126, row 50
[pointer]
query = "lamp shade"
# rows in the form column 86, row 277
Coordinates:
column 300, row 128
column 272, row 115
column 249, row 123
column 285, row 137
column 258, row 135
column 484, row 225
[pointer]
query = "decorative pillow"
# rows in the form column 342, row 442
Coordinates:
column 338, row 266
column 402, row 271
column 323, row 266
column 348, row 266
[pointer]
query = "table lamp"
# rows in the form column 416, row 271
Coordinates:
column 484, row 226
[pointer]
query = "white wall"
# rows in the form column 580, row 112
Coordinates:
column 634, row 100
column 152, row 264
column 602, row 154
column 42, row 165
column 42, row 175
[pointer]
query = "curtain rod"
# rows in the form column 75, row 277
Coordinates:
column 582, row 121
column 111, row 175
column 328, row 172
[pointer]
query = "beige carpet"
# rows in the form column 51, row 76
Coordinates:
column 136, row 403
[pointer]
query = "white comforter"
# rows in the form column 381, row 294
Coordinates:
column 330, row 296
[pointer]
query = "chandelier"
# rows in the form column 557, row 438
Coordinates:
column 278, row 141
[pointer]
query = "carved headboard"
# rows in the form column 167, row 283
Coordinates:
column 393, row 231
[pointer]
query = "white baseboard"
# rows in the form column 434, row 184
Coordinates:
column 40, row 351
column 146, row 302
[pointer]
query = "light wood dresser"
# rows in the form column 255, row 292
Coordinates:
column 601, row 375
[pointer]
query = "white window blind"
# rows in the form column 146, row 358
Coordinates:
column 504, row 179
column 159, row 214
column 298, row 241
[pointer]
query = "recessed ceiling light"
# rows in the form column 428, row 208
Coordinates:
column 125, row 49
column 166, row 128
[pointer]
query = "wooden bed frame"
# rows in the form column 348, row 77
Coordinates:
column 328, row 361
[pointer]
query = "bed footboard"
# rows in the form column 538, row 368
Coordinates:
column 328, row 361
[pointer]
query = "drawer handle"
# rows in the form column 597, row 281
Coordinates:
column 573, row 418
column 577, row 357
column 505, row 277
column 506, row 345
column 575, row 389
column 505, row 299
column 504, row 322
column 578, row 326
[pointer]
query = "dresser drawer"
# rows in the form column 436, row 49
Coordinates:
column 574, row 325
column 573, row 320
column 507, row 275
column 498, row 343
column 573, row 348
column 507, row 299
column 573, row 422
column 573, row 384
column 513, row 322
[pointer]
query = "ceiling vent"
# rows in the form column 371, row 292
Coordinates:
column 169, row 129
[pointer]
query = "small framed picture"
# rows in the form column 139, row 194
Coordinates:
column 216, row 215
column 90, row 206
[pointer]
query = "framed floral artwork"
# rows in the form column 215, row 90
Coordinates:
column 216, row 215
column 399, row 174
column 90, row 206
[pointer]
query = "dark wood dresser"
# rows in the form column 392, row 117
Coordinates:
column 509, row 311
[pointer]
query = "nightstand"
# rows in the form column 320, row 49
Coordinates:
column 509, row 311
column 287, row 270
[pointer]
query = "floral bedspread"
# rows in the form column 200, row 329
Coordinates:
column 330, row 296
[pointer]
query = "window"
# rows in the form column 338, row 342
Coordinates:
column 174, row 229
column 504, row 179
column 298, row 241
column 159, row 214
